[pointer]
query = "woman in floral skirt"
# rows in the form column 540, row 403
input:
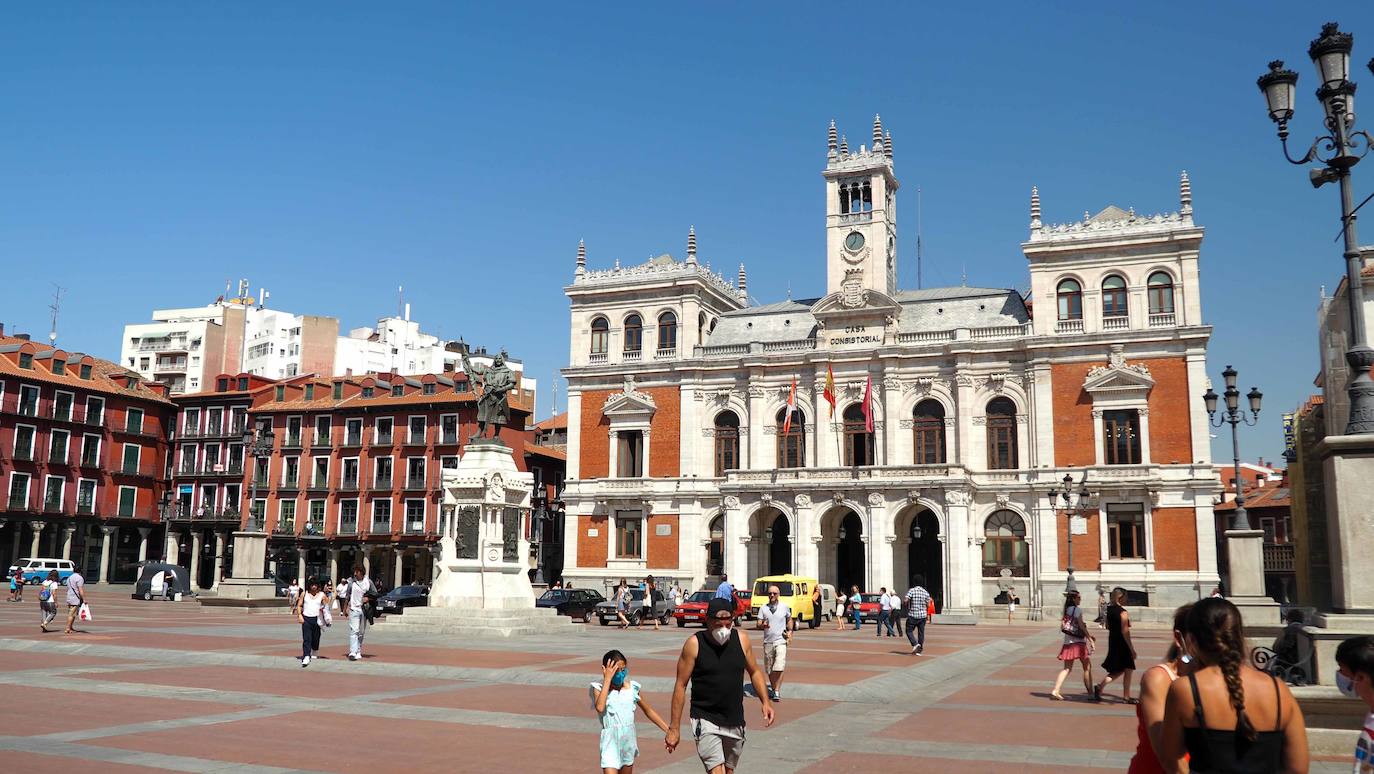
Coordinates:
column 1078, row 646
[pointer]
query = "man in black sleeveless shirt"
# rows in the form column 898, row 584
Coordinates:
column 715, row 662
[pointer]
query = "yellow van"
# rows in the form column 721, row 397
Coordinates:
column 793, row 590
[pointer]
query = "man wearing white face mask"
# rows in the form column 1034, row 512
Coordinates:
column 1355, row 678
column 715, row 662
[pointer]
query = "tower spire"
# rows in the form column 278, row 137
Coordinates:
column 877, row 133
column 1185, row 197
column 743, row 286
column 692, row 245
column 581, row 258
column 1035, row 224
column 831, row 141
column 887, row 144
column 844, row 146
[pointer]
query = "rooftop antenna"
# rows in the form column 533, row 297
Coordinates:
column 918, row 237
column 55, row 306
column 400, row 299
column 963, row 274
column 553, row 410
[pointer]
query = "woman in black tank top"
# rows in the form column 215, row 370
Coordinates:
column 1268, row 734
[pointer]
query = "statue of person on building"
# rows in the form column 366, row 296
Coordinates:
column 493, row 407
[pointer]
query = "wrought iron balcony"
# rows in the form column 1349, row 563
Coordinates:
column 1278, row 557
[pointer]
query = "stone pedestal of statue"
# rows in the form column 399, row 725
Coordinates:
column 482, row 585
column 247, row 587
column 1245, row 552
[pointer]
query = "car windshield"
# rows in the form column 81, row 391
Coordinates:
column 702, row 596
column 554, row 594
column 784, row 588
column 637, row 594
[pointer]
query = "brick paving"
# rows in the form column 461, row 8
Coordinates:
column 153, row 686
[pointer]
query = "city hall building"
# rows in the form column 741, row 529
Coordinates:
column 875, row 433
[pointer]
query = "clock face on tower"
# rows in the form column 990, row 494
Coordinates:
column 854, row 242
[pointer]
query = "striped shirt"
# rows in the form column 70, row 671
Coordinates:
column 917, row 600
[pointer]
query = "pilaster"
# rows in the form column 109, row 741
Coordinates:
column 195, row 559
column 143, row 544
column 107, row 553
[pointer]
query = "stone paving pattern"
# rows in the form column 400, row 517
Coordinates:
column 158, row 686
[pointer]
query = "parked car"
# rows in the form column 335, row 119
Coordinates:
column 402, row 597
column 639, row 610
column 868, row 607
column 36, row 570
column 693, row 610
column 793, row 591
column 575, row 603
column 744, row 604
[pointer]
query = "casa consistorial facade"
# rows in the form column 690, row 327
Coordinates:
column 955, row 412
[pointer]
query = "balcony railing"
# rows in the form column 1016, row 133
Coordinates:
column 85, row 507
column 381, row 527
column 448, row 438
column 18, row 503
column 324, row 441
column 415, row 482
column 383, row 439
column 62, row 413
column 290, row 482
column 1068, row 326
column 284, row 527
column 596, row 358
column 348, row 526
column 1161, row 320
column 58, row 457
column 162, row 345
column 314, row 527
column 28, row 408
column 52, row 506
column 23, row 455
column 1115, row 323
column 319, row 482
column 415, row 439
column 90, row 461
column 291, row 442
column 415, row 527
column 348, row 484
column 665, row 353
column 353, row 439
column 141, row 471
column 1278, row 557
column 383, row 482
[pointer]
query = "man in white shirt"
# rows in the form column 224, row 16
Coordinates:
column 351, row 602
column 884, row 613
column 775, row 618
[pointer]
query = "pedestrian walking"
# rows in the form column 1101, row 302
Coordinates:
column 1154, row 687
column 855, row 614
column 1078, row 645
column 76, row 599
column 725, row 590
column 815, row 606
column 622, row 604
column 1214, row 716
column 312, row 612
column 1012, row 602
column 917, row 606
column 674, row 597
column 650, row 597
column 777, row 623
column 1355, row 679
column 716, row 662
column 17, row 582
column 841, row 604
column 885, row 610
column 47, row 600
column 615, row 698
column 1120, row 658
column 293, row 591
column 352, row 601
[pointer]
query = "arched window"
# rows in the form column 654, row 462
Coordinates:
column 1004, row 545
column 858, row 442
column 1070, row 295
column 634, row 333
column 792, row 442
column 1114, row 297
column 929, row 426
column 667, row 331
column 601, row 336
column 1001, row 420
column 701, row 328
column 1161, row 290
column 727, row 442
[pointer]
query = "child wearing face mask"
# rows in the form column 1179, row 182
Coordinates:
column 615, row 699
column 1355, row 678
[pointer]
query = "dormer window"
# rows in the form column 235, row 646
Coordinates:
column 243, row 384
column 338, row 390
column 398, row 391
column 367, row 392
column 429, row 389
column 221, row 385
column 309, row 392
column 281, row 392
column 59, row 367
column 85, row 371
column 26, row 360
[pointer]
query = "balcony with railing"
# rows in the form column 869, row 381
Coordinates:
column 285, row 526
column 58, row 456
column 1069, row 326
column 1279, row 557
column 631, row 356
column 291, row 441
column 289, row 483
column 382, row 482
column 415, row 526
column 23, row 455
column 665, row 353
column 172, row 344
column 448, row 438
column 1161, row 319
column 52, row 504
column 415, row 482
column 348, row 484
column 596, row 358
column 348, row 526
column 352, row 440
column 322, row 442
column 315, row 527
column 136, row 471
column 1116, row 323
column 381, row 527
column 85, row 507
column 318, row 482
column 89, row 459
column 18, row 503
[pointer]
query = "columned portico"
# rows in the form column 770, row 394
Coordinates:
column 195, row 558
column 67, row 533
column 107, row 553
column 37, row 527
column 143, row 533
column 220, row 540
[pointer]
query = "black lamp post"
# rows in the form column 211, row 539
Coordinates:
column 1234, row 415
column 257, row 443
column 1065, row 496
column 1337, row 152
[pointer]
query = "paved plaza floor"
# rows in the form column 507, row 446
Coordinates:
column 174, row 686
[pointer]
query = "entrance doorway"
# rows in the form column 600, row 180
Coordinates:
column 715, row 549
column 925, row 557
column 779, row 538
column 849, row 553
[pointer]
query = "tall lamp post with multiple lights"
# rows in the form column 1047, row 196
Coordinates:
column 1337, row 153
column 257, row 443
column 1234, row 416
column 1064, row 498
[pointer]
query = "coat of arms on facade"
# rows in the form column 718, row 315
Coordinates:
column 852, row 293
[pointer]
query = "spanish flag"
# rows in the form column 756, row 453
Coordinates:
column 830, row 388
column 791, row 407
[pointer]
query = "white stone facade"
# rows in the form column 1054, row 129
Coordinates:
column 979, row 409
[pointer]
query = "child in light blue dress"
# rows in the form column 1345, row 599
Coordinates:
column 614, row 698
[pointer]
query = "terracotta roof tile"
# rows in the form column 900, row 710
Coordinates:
column 1265, row 497
column 545, row 451
column 102, row 373
column 559, row 422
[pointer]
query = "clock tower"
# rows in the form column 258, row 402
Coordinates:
column 860, row 214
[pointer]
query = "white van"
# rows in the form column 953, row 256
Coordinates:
column 36, row 570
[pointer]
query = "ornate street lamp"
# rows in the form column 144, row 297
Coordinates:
column 1337, row 152
column 257, row 443
column 1234, row 415
column 1064, row 498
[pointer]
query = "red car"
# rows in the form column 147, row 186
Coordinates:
column 868, row 607
column 693, row 610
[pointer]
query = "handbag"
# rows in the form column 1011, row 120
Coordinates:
column 84, row 612
column 1069, row 625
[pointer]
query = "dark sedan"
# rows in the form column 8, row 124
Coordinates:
column 402, row 597
column 576, row 603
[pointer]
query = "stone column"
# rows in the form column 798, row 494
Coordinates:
column 195, row 559
column 959, row 544
column 367, row 559
column 334, row 565
column 14, row 544
column 143, row 543
column 758, row 457
column 300, row 565
column 67, row 533
column 37, row 527
column 892, row 395
column 107, row 553
column 399, row 558
column 736, row 542
column 220, row 540
column 881, row 529
column 169, row 546
column 52, row 542
column 805, row 538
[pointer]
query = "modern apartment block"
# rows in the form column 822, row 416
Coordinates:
column 83, row 459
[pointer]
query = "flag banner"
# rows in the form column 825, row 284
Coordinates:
column 830, row 388
column 791, row 407
column 868, row 405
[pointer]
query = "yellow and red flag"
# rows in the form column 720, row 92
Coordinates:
column 830, row 388
column 791, row 406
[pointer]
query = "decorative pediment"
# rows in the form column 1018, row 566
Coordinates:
column 853, row 300
column 629, row 402
column 1118, row 376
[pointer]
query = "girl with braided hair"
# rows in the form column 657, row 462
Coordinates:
column 1226, row 716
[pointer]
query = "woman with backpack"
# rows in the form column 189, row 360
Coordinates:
column 1078, row 645
column 47, row 602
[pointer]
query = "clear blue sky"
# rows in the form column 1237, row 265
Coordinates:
column 333, row 151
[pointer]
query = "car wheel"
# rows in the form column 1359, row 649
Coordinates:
column 605, row 622
column 587, row 617
column 635, row 619
column 681, row 623
column 147, row 596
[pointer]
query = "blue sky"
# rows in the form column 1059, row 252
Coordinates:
column 333, row 151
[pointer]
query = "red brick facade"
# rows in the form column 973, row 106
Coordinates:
column 1170, row 426
column 591, row 551
column 1175, row 536
column 662, row 549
